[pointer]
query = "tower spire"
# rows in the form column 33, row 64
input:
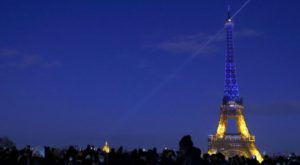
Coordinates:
column 228, row 11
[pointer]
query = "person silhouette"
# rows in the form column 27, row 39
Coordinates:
column 188, row 154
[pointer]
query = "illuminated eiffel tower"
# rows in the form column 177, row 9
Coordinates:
column 241, row 142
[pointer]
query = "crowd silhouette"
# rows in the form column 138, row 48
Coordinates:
column 187, row 155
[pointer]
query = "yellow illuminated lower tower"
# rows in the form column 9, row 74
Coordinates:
column 241, row 142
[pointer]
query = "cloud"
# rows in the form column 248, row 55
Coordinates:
column 7, row 52
column 186, row 44
column 189, row 44
column 52, row 64
column 247, row 33
column 12, row 59
column 30, row 60
column 287, row 107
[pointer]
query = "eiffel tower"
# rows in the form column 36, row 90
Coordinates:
column 241, row 142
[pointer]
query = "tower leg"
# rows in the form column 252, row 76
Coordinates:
column 222, row 126
column 254, row 151
column 242, row 127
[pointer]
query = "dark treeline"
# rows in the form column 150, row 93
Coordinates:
column 187, row 155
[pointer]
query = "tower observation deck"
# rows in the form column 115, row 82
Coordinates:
column 240, row 142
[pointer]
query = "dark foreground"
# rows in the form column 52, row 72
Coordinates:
column 187, row 155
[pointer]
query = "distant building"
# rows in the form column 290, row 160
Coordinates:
column 106, row 148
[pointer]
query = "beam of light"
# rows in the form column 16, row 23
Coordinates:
column 164, row 82
column 168, row 78
column 241, row 8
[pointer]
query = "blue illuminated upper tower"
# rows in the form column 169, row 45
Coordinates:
column 231, row 91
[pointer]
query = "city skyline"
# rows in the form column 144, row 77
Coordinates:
column 85, row 72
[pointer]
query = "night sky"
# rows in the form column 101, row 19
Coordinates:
column 82, row 72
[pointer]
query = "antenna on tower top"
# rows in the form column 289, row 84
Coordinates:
column 228, row 10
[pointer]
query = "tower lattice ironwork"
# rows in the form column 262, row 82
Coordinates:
column 241, row 142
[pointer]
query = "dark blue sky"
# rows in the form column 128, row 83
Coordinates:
column 79, row 72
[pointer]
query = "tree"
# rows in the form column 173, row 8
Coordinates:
column 6, row 142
